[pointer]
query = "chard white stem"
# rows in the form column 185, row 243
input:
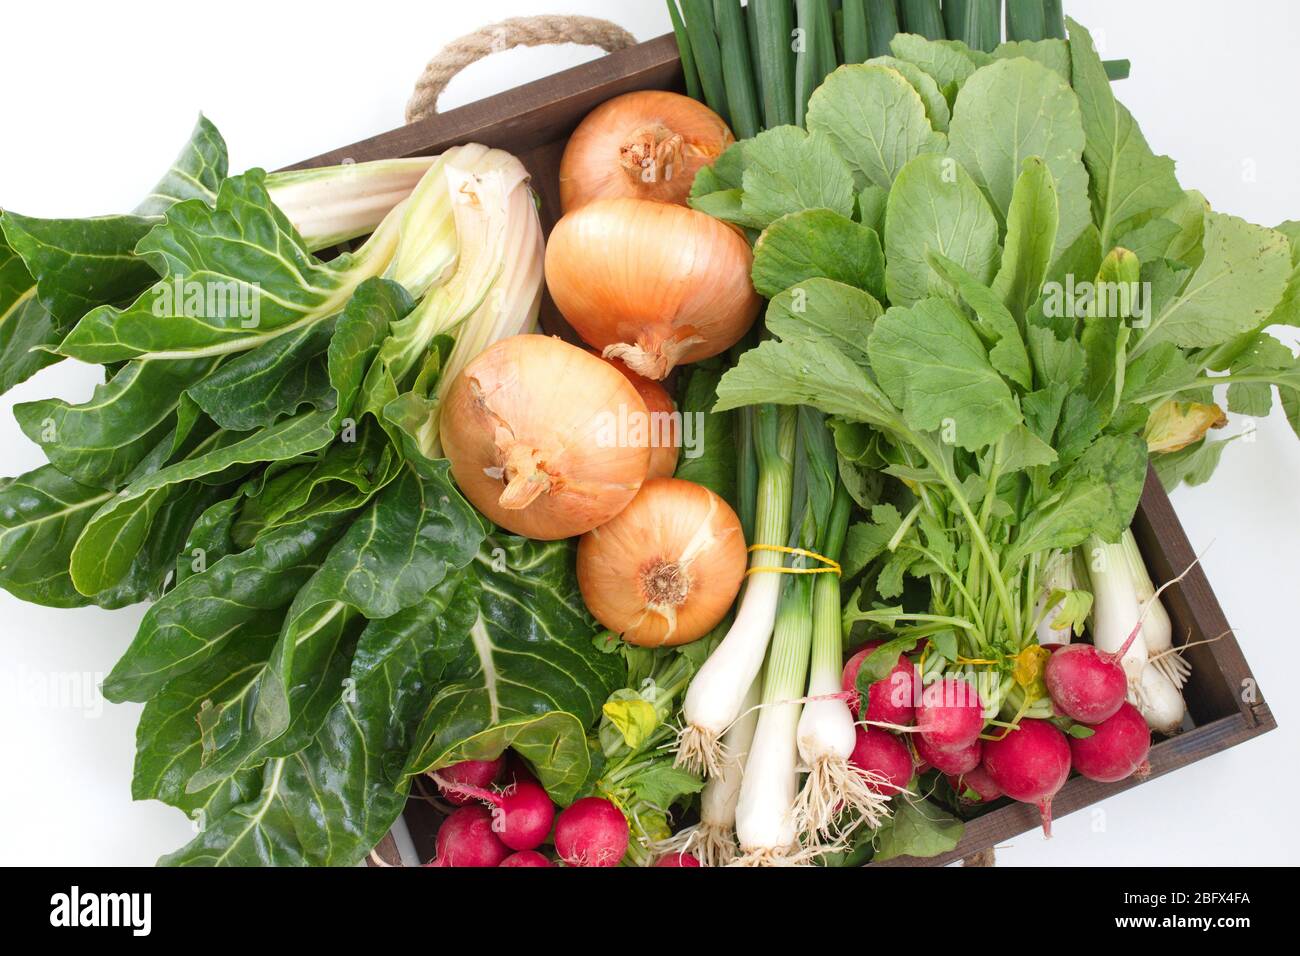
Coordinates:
column 332, row 204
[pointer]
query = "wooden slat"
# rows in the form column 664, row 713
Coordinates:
column 1014, row 819
column 522, row 118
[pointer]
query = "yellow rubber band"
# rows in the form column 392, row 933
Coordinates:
column 975, row 660
column 832, row 566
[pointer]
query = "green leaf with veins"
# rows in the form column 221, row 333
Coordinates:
column 101, row 441
column 936, row 206
column 196, row 618
column 933, row 366
column 916, row 828
column 41, row 515
column 1128, row 181
column 80, row 264
column 257, row 278
column 197, row 172
column 26, row 329
column 1053, row 54
column 525, row 674
column 416, row 532
column 995, row 324
column 948, row 63
column 937, row 110
column 1240, row 281
column 1192, row 465
column 818, row 243
column 175, row 731
column 1032, row 226
column 1098, row 495
column 788, row 170
column 875, row 120
column 1009, row 112
column 104, row 551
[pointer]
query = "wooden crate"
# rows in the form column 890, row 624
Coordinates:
column 534, row 122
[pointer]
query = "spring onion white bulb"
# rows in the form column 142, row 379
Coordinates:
column 1157, row 629
column 1159, row 701
column 834, row 788
column 1115, row 607
column 716, row 694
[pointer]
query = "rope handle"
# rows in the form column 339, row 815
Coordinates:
column 516, row 31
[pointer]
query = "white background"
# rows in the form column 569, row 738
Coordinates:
column 98, row 96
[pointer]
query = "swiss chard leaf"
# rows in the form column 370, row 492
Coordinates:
column 412, row 536
column 27, row 330
column 205, row 611
column 526, row 674
column 233, row 276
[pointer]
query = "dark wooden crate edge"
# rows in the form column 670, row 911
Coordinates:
column 540, row 113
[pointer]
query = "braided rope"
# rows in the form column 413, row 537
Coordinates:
column 517, row 31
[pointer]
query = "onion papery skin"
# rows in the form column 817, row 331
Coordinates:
column 643, row 145
column 531, row 428
column 665, row 426
column 652, row 284
column 665, row 571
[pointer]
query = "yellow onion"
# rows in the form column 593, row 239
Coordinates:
column 664, row 427
column 534, row 431
column 644, row 145
column 653, row 284
column 665, row 571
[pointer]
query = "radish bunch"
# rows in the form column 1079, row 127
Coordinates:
column 507, row 826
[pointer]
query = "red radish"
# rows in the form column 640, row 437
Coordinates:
column 591, row 832
column 472, row 773
column 522, row 812
column 1117, row 748
column 677, row 859
column 526, row 858
column 466, row 838
column 954, row 761
column 951, row 715
column 978, row 781
column 889, row 700
column 1086, row 684
column 878, row 751
column 1030, row 764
